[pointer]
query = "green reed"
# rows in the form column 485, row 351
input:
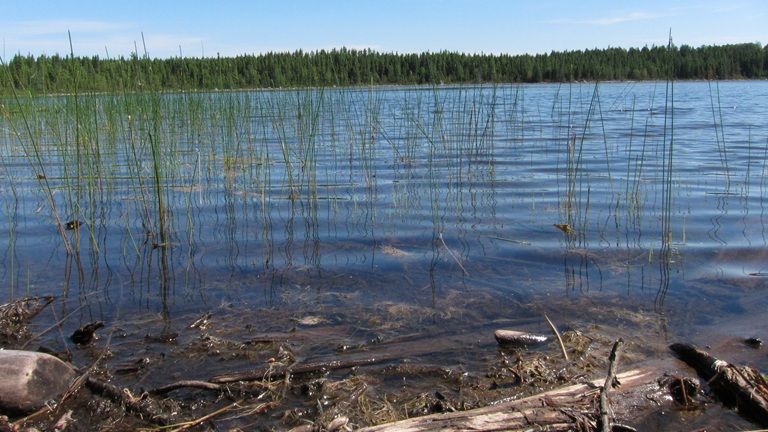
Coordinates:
column 29, row 140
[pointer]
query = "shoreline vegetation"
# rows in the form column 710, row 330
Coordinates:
column 348, row 67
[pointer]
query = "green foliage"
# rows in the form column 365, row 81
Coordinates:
column 345, row 67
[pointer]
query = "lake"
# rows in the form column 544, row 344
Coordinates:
column 364, row 215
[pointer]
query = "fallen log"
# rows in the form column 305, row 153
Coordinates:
column 737, row 386
column 567, row 408
column 371, row 354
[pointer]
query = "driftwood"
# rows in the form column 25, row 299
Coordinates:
column 364, row 355
column 268, row 373
column 557, row 335
column 567, row 408
column 610, row 382
column 275, row 372
column 205, row 385
column 742, row 387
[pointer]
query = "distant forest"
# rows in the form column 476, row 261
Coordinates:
column 348, row 67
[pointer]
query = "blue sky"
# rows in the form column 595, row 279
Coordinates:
column 255, row 26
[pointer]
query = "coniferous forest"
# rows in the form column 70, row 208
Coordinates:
column 348, row 67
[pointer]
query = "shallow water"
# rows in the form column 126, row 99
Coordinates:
column 391, row 211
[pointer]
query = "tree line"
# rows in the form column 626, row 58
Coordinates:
column 349, row 67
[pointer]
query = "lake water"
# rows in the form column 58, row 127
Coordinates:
column 384, row 212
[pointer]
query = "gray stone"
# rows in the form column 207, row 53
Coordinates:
column 29, row 379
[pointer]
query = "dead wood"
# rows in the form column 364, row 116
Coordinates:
column 205, row 385
column 267, row 373
column 567, row 408
column 410, row 345
column 557, row 335
column 279, row 371
column 610, row 382
column 739, row 386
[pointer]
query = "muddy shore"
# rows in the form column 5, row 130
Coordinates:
column 324, row 364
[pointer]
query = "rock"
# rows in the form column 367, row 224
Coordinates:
column 29, row 379
column 516, row 338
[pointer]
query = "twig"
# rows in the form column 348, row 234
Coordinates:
column 188, row 424
column 520, row 242
column 455, row 258
column 605, row 417
column 205, row 385
column 557, row 335
column 20, row 422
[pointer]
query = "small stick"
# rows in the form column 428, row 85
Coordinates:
column 188, row 424
column 605, row 418
column 18, row 424
column 205, row 385
column 521, row 242
column 440, row 236
column 557, row 335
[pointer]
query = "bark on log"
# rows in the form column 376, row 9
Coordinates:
column 568, row 408
column 742, row 387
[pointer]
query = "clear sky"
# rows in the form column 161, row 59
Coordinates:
column 229, row 28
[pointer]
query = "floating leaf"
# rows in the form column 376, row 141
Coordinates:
column 566, row 228
column 391, row 250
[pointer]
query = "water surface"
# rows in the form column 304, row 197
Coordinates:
column 391, row 211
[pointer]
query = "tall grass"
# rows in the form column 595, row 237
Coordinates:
column 29, row 140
